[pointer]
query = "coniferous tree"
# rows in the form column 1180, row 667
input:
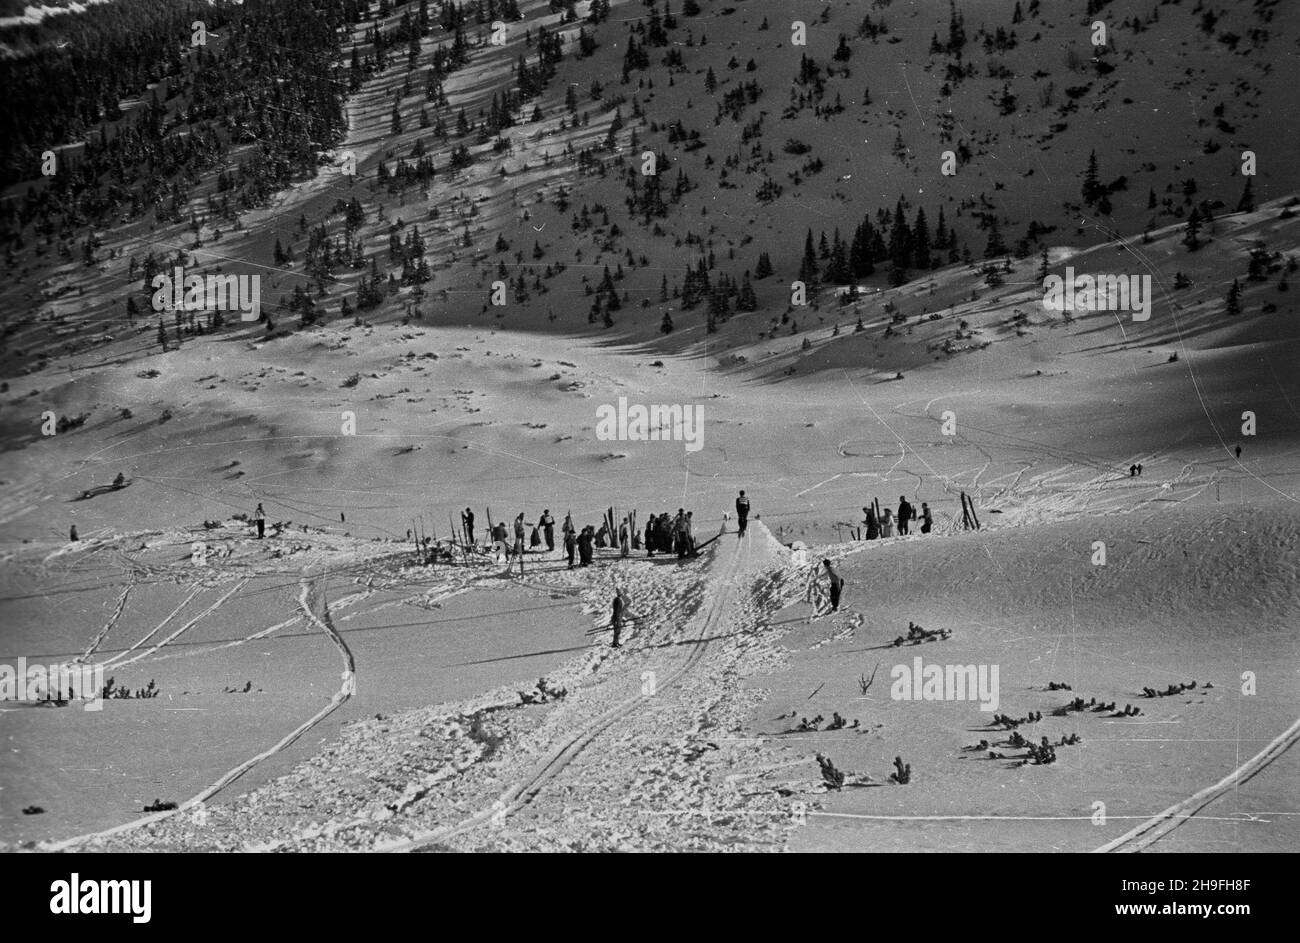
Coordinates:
column 1191, row 233
column 1247, row 202
column 808, row 267
column 747, row 300
column 1091, row 187
column 921, row 240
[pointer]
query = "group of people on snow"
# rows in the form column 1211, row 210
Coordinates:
column 880, row 527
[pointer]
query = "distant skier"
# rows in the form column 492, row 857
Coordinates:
column 1132, row 471
column 905, row 514
column 624, row 538
column 887, row 525
column 1239, row 451
column 742, row 511
column 548, row 527
column 259, row 517
column 467, row 518
column 119, row 481
column 617, row 619
column 585, row 540
column 649, row 539
column 837, row 585
column 72, row 534
column 1139, row 469
column 927, row 521
column 690, row 536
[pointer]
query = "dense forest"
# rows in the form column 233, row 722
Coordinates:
column 261, row 75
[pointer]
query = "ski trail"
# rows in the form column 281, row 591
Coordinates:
column 171, row 615
column 99, row 638
column 117, row 660
column 562, row 754
column 1160, row 825
column 309, row 598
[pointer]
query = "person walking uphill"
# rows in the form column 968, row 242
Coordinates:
column 905, row 514
column 837, row 585
column 548, row 528
column 742, row 511
column 259, row 517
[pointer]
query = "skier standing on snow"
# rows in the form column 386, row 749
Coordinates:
column 905, row 514
column 519, row 534
column 742, row 511
column 548, row 527
column 570, row 544
column 617, row 619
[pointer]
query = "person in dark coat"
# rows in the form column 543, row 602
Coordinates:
column 585, row 540
column 467, row 518
column 905, row 514
column 650, row 535
column 742, row 511
column 927, row 521
column 873, row 525
column 259, row 516
column 617, row 619
column 548, row 528
column 837, row 585
column 570, row 545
